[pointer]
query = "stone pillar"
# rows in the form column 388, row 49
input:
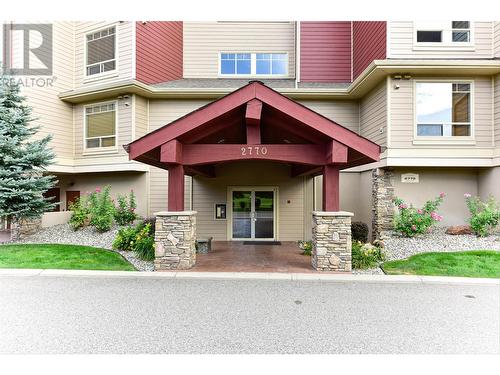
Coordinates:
column 382, row 204
column 24, row 227
column 331, row 241
column 175, row 240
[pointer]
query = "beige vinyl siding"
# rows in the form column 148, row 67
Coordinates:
column 496, row 39
column 402, row 35
column 52, row 115
column 125, row 52
column 141, row 116
column 343, row 112
column 402, row 113
column 123, row 130
column 209, row 191
column 373, row 115
column 497, row 110
column 203, row 41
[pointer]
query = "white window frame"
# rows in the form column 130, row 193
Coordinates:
column 109, row 73
column 253, row 65
column 418, row 139
column 447, row 36
column 91, row 150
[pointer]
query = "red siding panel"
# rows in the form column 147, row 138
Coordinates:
column 158, row 51
column 369, row 43
column 325, row 51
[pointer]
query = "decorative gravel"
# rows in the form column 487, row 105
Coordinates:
column 63, row 234
column 438, row 240
column 368, row 271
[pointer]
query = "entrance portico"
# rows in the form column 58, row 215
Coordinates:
column 254, row 123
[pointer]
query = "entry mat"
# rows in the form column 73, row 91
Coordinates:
column 261, row 242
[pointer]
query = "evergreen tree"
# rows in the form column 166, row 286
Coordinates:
column 23, row 159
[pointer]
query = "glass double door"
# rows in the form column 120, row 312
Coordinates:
column 253, row 213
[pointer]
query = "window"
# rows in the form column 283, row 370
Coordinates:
column 101, row 47
column 271, row 63
column 236, row 63
column 443, row 109
column 454, row 32
column 460, row 31
column 255, row 64
column 100, row 125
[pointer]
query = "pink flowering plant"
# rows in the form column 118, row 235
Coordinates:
column 125, row 211
column 410, row 221
column 102, row 209
column 484, row 216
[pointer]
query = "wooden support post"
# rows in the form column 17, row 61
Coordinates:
column 176, row 188
column 331, row 188
column 252, row 117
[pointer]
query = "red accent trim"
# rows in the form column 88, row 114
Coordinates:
column 176, row 188
column 331, row 188
column 159, row 48
column 199, row 154
column 336, row 153
column 171, row 151
column 369, row 40
column 325, row 51
column 252, row 117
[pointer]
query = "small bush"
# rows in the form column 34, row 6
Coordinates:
column 125, row 238
column 125, row 212
column 484, row 216
column 359, row 231
column 152, row 221
column 410, row 221
column 366, row 255
column 102, row 209
column 306, row 247
column 81, row 211
column 144, row 243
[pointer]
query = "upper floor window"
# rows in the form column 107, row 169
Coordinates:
column 251, row 64
column 443, row 109
column 443, row 32
column 101, row 51
column 100, row 125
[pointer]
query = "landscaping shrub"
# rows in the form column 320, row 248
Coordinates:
column 359, row 231
column 366, row 255
column 150, row 220
column 125, row 212
column 306, row 247
column 102, row 209
column 125, row 238
column 144, row 243
column 79, row 217
column 484, row 216
column 410, row 221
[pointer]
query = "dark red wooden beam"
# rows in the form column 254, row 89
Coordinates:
column 176, row 188
column 331, row 201
column 198, row 154
column 252, row 118
column 171, row 151
column 336, row 153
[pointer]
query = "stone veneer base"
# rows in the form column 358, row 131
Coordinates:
column 175, row 240
column 331, row 241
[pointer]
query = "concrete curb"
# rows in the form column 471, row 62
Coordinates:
column 250, row 276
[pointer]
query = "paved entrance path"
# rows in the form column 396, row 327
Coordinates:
column 233, row 256
column 74, row 314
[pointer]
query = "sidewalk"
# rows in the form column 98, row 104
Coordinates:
column 250, row 276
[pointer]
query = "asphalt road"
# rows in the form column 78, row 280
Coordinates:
column 147, row 315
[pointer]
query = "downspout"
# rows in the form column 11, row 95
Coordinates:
column 297, row 54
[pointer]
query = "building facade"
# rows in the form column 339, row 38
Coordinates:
column 427, row 93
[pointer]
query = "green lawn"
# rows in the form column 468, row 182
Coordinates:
column 71, row 257
column 481, row 263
